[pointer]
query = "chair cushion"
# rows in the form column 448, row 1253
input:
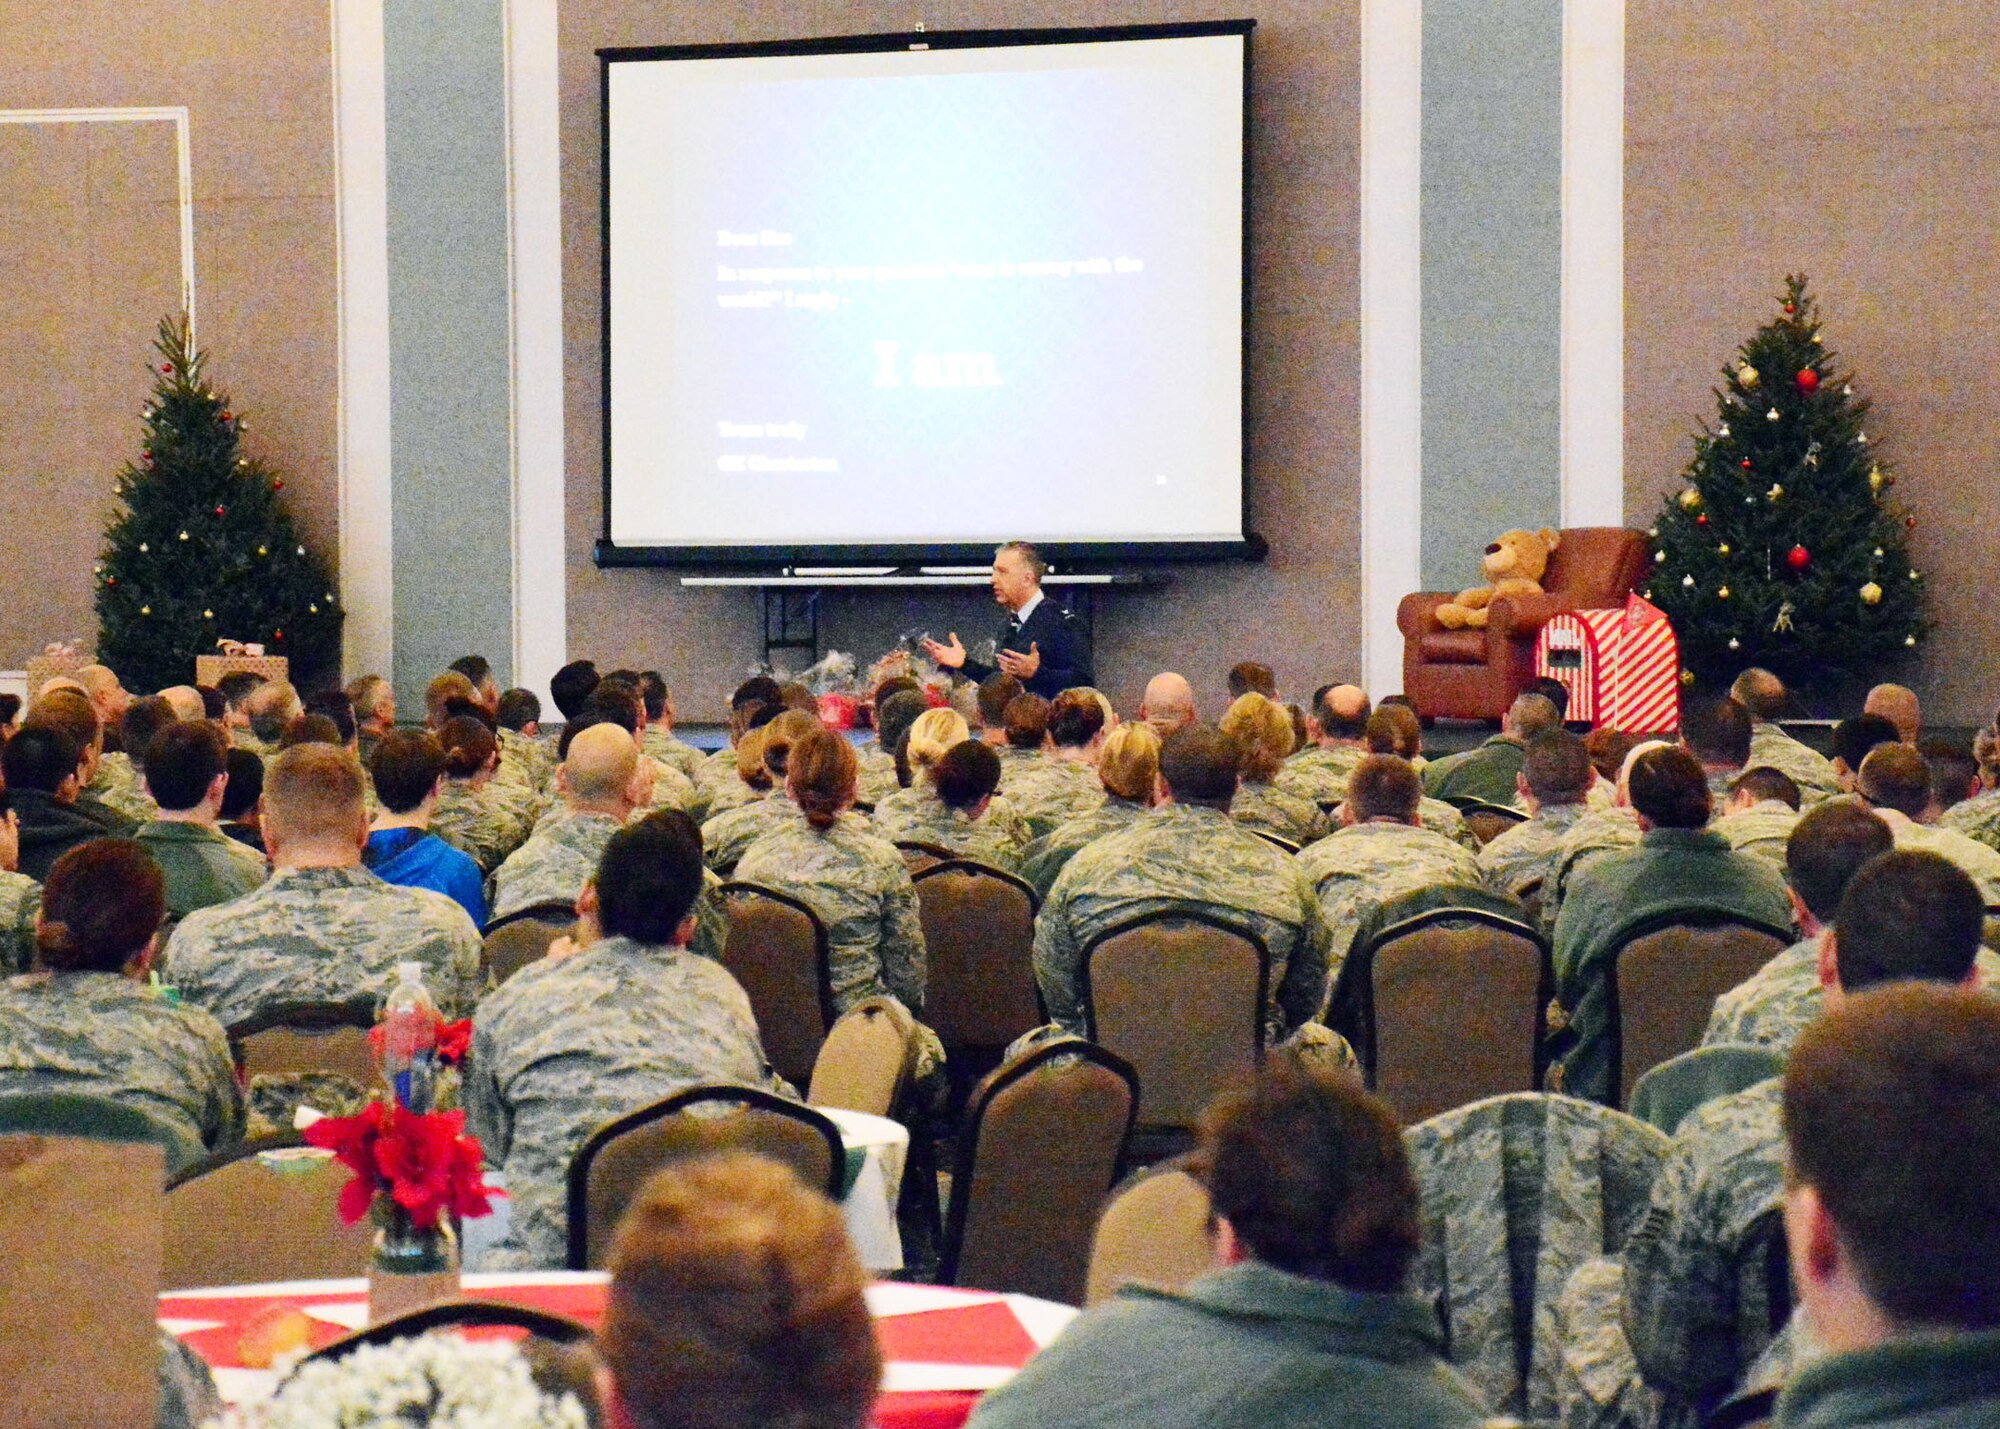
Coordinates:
column 1453, row 647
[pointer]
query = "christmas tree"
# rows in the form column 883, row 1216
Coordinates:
column 203, row 549
column 1783, row 547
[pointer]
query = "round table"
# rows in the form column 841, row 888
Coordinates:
column 943, row 1347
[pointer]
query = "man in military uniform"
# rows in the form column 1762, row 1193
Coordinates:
column 1128, row 767
column 1337, row 735
column 1599, row 832
column 1678, row 864
column 1168, row 703
column 476, row 812
column 1489, row 773
column 1043, row 645
column 187, row 771
column 374, row 701
column 658, row 740
column 1717, row 733
column 1895, row 783
column 1380, row 851
column 574, row 1042
column 1554, row 780
column 1759, row 814
column 120, row 781
column 599, row 782
column 1978, row 817
column 1763, row 694
column 270, row 708
column 323, row 928
column 1062, row 785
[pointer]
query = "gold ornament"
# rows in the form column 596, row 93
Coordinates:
column 1690, row 499
column 145, row 610
column 1772, row 414
column 1687, row 677
column 1775, row 492
column 1723, row 549
column 1659, row 558
column 1871, row 594
column 1688, row 582
column 208, row 615
column 1861, row 437
column 1746, row 374
column 184, row 535
column 1910, row 640
column 1735, row 644
column 1875, row 479
column 1817, row 339
column 262, row 551
column 1723, row 593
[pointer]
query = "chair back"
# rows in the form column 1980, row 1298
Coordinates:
column 308, row 1037
column 523, row 937
column 918, row 855
column 777, row 948
column 93, row 1118
column 1040, row 1146
column 866, row 1059
column 1154, row 1231
column 613, row 1164
column 1596, row 567
column 979, row 930
column 558, row 1329
column 1179, row 996
column 1667, row 1093
column 1668, row 969
column 264, row 1211
column 1457, row 998
column 1489, row 821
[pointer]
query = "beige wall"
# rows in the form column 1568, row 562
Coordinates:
column 90, row 262
column 1300, row 610
column 1762, row 140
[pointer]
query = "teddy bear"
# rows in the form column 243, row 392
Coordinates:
column 1514, row 563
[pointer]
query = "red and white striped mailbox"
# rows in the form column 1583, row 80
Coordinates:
column 1622, row 666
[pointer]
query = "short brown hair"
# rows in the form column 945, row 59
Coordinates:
column 70, row 712
column 1892, row 1114
column 439, row 693
column 468, row 746
column 820, row 776
column 1394, row 729
column 1827, row 847
column 779, row 737
column 1383, row 787
column 1198, row 765
column 313, row 791
column 1557, row 767
column 103, row 901
column 406, row 766
column 1311, row 1174
column 1896, row 777
column 1027, row 721
column 966, row 773
column 736, row 1298
column 1668, row 787
column 1075, row 718
column 182, row 760
column 997, row 691
column 1252, row 676
column 1907, row 914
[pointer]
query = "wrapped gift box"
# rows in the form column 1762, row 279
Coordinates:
column 1621, row 666
column 209, row 669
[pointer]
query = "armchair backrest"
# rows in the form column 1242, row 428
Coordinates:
column 1596, row 566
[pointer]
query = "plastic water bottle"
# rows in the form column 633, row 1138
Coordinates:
column 409, row 1039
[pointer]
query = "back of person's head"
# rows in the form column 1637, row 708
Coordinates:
column 745, row 717
column 1532, row 714
column 1669, row 790
column 1027, row 721
column 518, row 709
column 1394, row 729
column 272, row 707
column 371, row 696
column 71, row 713
column 1263, row 734
column 101, row 905
column 312, row 794
column 794, row 696
column 1892, row 1119
column 182, row 761
column 476, row 668
column 1907, row 914
column 1718, row 732
column 246, row 785
column 1894, row 776
column 615, row 700
column 931, row 734
column 1608, row 748
column 997, row 691
column 1556, row 766
column 1075, row 718
column 820, row 776
column 1767, row 785
column 143, row 719
column 1198, row 764
column 737, row 1299
column 1311, row 1174
column 406, row 766
column 1952, row 773
column 1552, row 690
column 10, row 709
column 1250, row 676
column 891, row 686
column 1898, row 705
column 1342, row 712
column 570, row 686
column 895, row 715
column 38, row 758
column 750, row 766
column 649, row 877
column 235, row 687
column 599, row 761
column 1827, row 847
column 213, row 705
column 758, row 689
column 653, row 690
column 966, row 773
column 311, row 729
column 443, row 693
column 779, row 737
column 468, row 745
column 1760, row 692
column 1129, row 764
column 1384, row 787
column 335, row 706
column 1853, row 738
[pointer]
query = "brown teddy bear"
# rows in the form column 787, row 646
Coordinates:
column 1514, row 563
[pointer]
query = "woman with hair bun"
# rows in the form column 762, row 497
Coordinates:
column 85, row 1020
column 763, row 757
column 952, row 801
column 485, row 819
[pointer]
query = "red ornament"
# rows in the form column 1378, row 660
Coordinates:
column 278, row 485
column 1701, row 520
column 1808, row 381
column 111, row 580
column 145, row 456
column 166, row 369
column 225, row 416
column 1746, row 463
column 277, row 635
column 218, row 510
column 1911, row 523
column 1790, row 309
column 1798, row 558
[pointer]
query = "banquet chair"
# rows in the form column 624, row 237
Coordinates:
column 918, row 855
column 93, row 1118
column 1156, row 1230
column 866, row 1059
column 777, row 948
column 523, row 937
column 1489, row 821
column 1668, row 967
column 613, row 1164
column 1180, row 996
column 307, row 1037
column 1041, row 1144
column 447, row 1314
column 263, row 1211
column 979, row 929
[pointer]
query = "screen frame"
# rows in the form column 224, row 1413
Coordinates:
column 1077, row 555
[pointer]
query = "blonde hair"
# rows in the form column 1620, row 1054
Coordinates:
column 1129, row 763
column 1263, row 734
column 750, row 758
column 934, row 732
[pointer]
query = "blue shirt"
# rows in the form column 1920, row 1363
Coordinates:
column 415, row 859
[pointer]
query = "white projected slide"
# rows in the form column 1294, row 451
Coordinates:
column 927, row 297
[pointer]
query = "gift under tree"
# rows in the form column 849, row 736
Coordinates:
column 203, row 549
column 1784, row 546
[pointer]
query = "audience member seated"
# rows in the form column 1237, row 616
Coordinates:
column 235, row 689
column 1187, row 856
column 144, row 718
column 658, row 741
column 107, row 696
column 270, row 709
column 736, row 1299
column 1337, row 735
column 374, row 701
column 1128, row 767
column 1758, row 814
column 1853, row 740
column 1380, row 851
column 1954, row 779
column 1262, row 732
column 1609, row 748
column 85, row 1021
column 443, row 696
column 44, row 772
column 617, row 701
column 599, row 782
column 322, row 928
column 409, row 773
column 476, row 812
column 20, row 901
column 1491, row 772
column 1554, row 781
column 1252, row 676
column 894, row 720
column 763, row 758
column 1027, row 731
column 241, row 799
column 186, row 701
column 1895, row 783
column 1679, row 863
column 1717, row 733
column 313, row 729
column 1898, row 705
column 1395, row 729
column 1680, row 1309
column 953, row 806
column 578, row 1040
column 1601, row 831
column 75, row 716
column 1308, row 1321
column 527, row 750
column 1763, row 694
column 718, row 786
column 479, row 670
column 1062, row 784
column 1168, row 703
column 120, row 781
column 1979, row 816
column 187, row 773
column 1892, row 1130
column 997, row 691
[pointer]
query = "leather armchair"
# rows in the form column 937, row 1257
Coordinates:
column 1475, row 674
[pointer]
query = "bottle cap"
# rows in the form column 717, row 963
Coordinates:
column 409, row 972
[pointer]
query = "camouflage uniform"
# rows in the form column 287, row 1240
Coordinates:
column 718, row 795
column 101, row 1034
column 674, row 790
column 525, row 763
column 1760, row 831
column 1916, row 1380
column 119, row 785
column 20, row 904
column 188, row 1396
column 1486, row 773
column 553, row 865
column 1185, row 858
column 1321, row 774
column 1262, row 804
column 858, row 885
column 322, row 935
column 1356, row 869
column 1981, row 864
column 566, row 1046
column 1441, row 818
column 245, row 737
column 488, row 822
column 202, row 867
column 660, row 746
column 1597, row 833
column 725, row 836
column 875, row 777
column 1043, row 859
column 1813, row 772
column 997, row 837
column 1772, row 1006
column 1520, row 860
column 1051, row 794
column 1977, row 818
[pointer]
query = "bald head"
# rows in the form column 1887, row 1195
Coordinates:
column 598, row 771
column 186, row 701
column 314, row 815
column 272, row 707
column 1760, row 692
column 1342, row 713
column 1898, row 705
column 1169, row 703
column 104, row 689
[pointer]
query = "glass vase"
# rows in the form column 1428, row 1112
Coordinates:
column 410, row 1267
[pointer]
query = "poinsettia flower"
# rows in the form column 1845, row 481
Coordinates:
column 453, row 1040
column 423, row 1160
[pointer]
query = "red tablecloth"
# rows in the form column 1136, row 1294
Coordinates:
column 953, row 1328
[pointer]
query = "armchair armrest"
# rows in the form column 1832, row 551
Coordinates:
column 1414, row 616
column 1523, row 616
